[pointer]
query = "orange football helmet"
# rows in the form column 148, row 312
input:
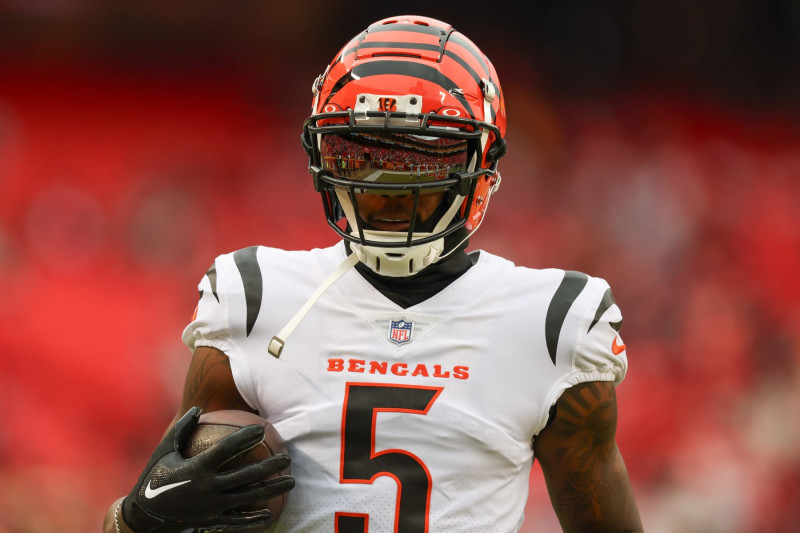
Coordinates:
column 409, row 106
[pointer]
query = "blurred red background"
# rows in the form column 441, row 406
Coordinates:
column 654, row 145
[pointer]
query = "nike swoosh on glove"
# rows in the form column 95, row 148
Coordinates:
column 174, row 494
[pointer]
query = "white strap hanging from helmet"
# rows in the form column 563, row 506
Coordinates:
column 279, row 341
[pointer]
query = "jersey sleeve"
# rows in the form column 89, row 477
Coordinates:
column 584, row 324
column 210, row 325
column 599, row 352
column 230, row 298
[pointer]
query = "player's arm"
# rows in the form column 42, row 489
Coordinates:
column 209, row 386
column 583, row 468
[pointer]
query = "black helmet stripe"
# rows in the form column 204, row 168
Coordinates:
column 414, row 46
column 414, row 70
column 416, row 28
column 466, row 66
column 404, row 68
column 457, row 58
column 475, row 53
column 400, row 45
column 341, row 82
column 345, row 53
column 443, row 35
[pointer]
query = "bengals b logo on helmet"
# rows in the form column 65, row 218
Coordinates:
column 387, row 104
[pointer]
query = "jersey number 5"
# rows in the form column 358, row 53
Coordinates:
column 362, row 464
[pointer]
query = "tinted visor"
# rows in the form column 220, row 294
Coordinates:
column 392, row 158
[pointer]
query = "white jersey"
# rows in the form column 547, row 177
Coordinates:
column 407, row 420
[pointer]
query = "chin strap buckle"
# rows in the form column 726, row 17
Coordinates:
column 278, row 341
column 276, row 346
column 496, row 184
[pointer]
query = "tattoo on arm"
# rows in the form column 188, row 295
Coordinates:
column 586, row 475
column 209, row 383
column 200, row 383
column 591, row 424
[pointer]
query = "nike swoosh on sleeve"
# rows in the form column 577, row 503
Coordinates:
column 150, row 492
column 617, row 348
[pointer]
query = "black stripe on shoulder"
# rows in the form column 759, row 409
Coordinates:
column 565, row 295
column 211, row 274
column 606, row 302
column 247, row 264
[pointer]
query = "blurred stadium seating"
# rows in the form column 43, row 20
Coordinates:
column 658, row 148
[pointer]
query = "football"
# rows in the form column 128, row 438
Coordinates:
column 215, row 425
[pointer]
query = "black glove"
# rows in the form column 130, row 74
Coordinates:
column 174, row 494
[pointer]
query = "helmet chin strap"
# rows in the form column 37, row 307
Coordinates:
column 398, row 261
column 279, row 341
column 404, row 265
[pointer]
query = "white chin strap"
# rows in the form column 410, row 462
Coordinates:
column 278, row 341
column 385, row 261
column 394, row 262
column 398, row 261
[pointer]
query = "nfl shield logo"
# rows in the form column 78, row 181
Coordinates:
column 400, row 331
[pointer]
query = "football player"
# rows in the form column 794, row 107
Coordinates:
column 414, row 383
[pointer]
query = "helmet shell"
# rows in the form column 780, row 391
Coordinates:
column 419, row 66
column 415, row 55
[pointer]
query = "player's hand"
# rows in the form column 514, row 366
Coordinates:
column 174, row 494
